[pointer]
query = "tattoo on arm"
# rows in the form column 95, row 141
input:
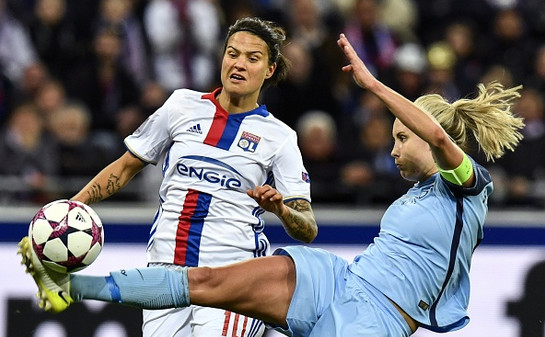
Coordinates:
column 299, row 205
column 300, row 224
column 113, row 184
column 94, row 193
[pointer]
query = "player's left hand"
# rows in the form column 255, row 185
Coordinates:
column 268, row 198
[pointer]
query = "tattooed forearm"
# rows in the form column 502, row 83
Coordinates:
column 95, row 190
column 110, row 179
column 94, row 193
column 299, row 222
column 299, row 205
column 113, row 184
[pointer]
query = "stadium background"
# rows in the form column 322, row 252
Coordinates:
column 49, row 57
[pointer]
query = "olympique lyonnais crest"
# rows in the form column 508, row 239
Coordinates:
column 248, row 141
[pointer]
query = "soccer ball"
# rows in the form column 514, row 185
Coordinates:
column 66, row 235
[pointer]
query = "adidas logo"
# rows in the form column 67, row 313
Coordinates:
column 80, row 217
column 195, row 128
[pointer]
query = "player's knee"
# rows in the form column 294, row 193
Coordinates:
column 201, row 277
column 203, row 286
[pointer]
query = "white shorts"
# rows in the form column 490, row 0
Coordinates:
column 199, row 321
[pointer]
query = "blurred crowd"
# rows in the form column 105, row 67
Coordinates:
column 79, row 76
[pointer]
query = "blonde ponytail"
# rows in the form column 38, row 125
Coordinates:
column 488, row 117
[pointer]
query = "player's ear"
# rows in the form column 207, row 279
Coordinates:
column 270, row 71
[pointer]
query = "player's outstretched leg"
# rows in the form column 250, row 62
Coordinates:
column 53, row 287
column 148, row 288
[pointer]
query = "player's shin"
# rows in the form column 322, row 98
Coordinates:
column 147, row 288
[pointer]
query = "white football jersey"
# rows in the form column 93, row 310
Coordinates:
column 205, row 217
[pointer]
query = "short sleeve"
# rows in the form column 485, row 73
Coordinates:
column 290, row 176
column 152, row 138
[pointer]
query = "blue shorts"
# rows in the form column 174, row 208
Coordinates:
column 330, row 301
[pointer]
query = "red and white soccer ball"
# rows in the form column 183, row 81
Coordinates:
column 66, row 235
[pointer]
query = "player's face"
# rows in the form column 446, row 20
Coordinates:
column 245, row 65
column 412, row 154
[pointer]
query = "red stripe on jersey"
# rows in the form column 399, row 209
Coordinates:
column 219, row 122
column 184, row 223
column 216, row 129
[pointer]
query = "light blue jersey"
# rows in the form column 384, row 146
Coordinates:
column 422, row 256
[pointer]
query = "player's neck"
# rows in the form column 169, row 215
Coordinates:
column 237, row 104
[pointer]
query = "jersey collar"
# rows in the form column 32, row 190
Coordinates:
column 261, row 110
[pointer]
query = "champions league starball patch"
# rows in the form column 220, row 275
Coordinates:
column 248, row 142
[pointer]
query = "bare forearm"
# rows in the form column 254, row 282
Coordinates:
column 110, row 180
column 105, row 184
column 298, row 221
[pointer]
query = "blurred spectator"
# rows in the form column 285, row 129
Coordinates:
column 29, row 156
column 369, row 107
column 49, row 97
column 18, row 62
column 305, row 23
column 310, row 25
column 524, row 169
column 409, row 71
column 498, row 73
column 34, row 76
column 374, row 42
column 532, row 11
column 317, row 133
column 119, row 16
column 152, row 97
column 103, row 84
column 128, row 120
column 83, row 15
column 54, row 37
column 370, row 171
column 401, row 17
column 235, row 9
column 435, row 16
column 441, row 60
column 510, row 45
column 305, row 88
column 183, row 35
column 94, row 52
column 81, row 155
column 469, row 65
column 537, row 78
column 16, row 50
column 328, row 13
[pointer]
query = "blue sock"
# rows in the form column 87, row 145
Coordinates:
column 92, row 287
column 147, row 288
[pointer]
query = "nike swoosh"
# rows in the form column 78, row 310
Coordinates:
column 60, row 293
